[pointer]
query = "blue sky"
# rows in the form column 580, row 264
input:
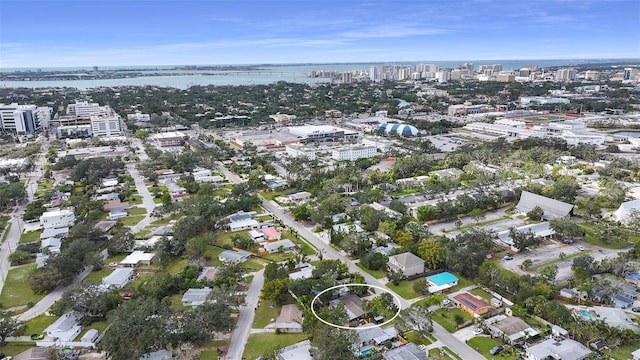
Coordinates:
column 133, row 32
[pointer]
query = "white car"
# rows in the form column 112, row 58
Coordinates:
column 478, row 331
column 580, row 247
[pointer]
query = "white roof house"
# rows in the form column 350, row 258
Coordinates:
column 57, row 232
column 233, row 256
column 65, row 329
column 243, row 224
column 53, row 244
column 138, row 258
column 553, row 209
column 275, row 246
column 119, row 278
column 90, row 336
column 542, row 230
column 57, row 218
column 565, row 349
column 625, row 209
column 297, row 351
column 195, row 297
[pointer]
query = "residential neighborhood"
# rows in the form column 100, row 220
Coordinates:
column 165, row 223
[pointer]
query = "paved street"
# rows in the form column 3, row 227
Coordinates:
column 240, row 334
column 145, row 195
column 455, row 344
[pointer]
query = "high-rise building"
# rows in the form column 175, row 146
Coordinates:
column 567, row 74
column 592, row 75
column 20, row 119
column 443, row 76
column 404, row 73
column 85, row 109
column 374, row 75
column 468, row 66
column 347, row 78
column 456, row 74
column 524, row 72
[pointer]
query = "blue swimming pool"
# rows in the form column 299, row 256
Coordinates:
column 586, row 314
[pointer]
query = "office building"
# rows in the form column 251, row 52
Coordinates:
column 374, row 74
column 19, row 119
column 347, row 78
column 352, row 153
column 106, row 125
column 443, row 76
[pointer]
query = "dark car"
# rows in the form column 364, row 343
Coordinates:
column 567, row 241
column 495, row 350
column 37, row 336
column 636, row 309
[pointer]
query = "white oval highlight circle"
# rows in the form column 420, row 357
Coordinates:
column 396, row 300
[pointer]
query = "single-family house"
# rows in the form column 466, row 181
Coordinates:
column 54, row 232
column 559, row 349
column 117, row 214
column 441, row 282
column 138, row 258
column 636, row 354
column 109, row 197
column 195, row 297
column 406, row 263
column 109, row 182
column 621, row 301
column 290, row 319
column 233, row 256
column 552, row 208
column 471, row 304
column 119, row 278
column 409, row 351
column 373, row 336
column 297, row 351
column 66, row 328
column 511, row 327
column 58, row 218
column 280, row 245
column 115, row 204
column 568, row 293
column 256, row 235
column 353, row 307
column 304, row 273
column 347, row 228
column 271, row 234
column 41, row 260
column 245, row 224
column 90, row 336
column 51, row 244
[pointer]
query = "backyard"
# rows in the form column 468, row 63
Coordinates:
column 483, row 344
column 262, row 344
column 450, row 318
column 16, row 290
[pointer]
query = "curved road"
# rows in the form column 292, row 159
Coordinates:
column 455, row 344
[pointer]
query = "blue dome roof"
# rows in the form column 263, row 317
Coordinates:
column 399, row 129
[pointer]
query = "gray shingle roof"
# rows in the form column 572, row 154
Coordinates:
column 553, row 209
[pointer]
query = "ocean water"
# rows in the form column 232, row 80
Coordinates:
column 264, row 74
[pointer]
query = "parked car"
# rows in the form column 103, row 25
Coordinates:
column 567, row 241
column 478, row 331
column 508, row 257
column 36, row 337
column 495, row 350
column 636, row 309
column 580, row 247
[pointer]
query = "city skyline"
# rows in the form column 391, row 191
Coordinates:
column 118, row 33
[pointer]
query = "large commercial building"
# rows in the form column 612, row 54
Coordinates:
column 85, row 109
column 352, row 153
column 311, row 133
column 566, row 74
column 20, row 119
column 106, row 125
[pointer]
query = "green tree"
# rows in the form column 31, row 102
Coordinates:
column 416, row 318
column 477, row 214
column 374, row 261
column 277, row 290
column 536, row 213
column 9, row 326
column 433, row 253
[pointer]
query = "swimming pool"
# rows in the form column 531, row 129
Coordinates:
column 585, row 314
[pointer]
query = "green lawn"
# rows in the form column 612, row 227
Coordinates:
column 483, row 344
column 176, row 266
column 405, row 289
column 479, row 223
column 621, row 353
column 378, row 274
column 307, row 247
column 405, row 192
column 16, row 290
column 208, row 355
column 482, row 293
column 590, row 229
column 260, row 344
column 435, row 354
column 212, row 253
column 95, row 277
column 462, row 283
column 176, row 302
column 15, row 348
column 38, row 324
column 30, row 236
column 134, row 200
column 131, row 220
column 266, row 311
column 270, row 195
column 446, row 318
column 413, row 337
column 558, row 260
column 253, row 265
column 137, row 211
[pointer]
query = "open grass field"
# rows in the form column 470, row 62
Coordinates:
column 131, row 220
column 266, row 311
column 16, row 290
column 544, row 118
column 30, row 236
column 446, row 318
column 95, row 277
column 483, row 344
column 405, row 289
column 15, row 348
column 260, row 344
column 137, row 211
column 38, row 324
column 378, row 274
